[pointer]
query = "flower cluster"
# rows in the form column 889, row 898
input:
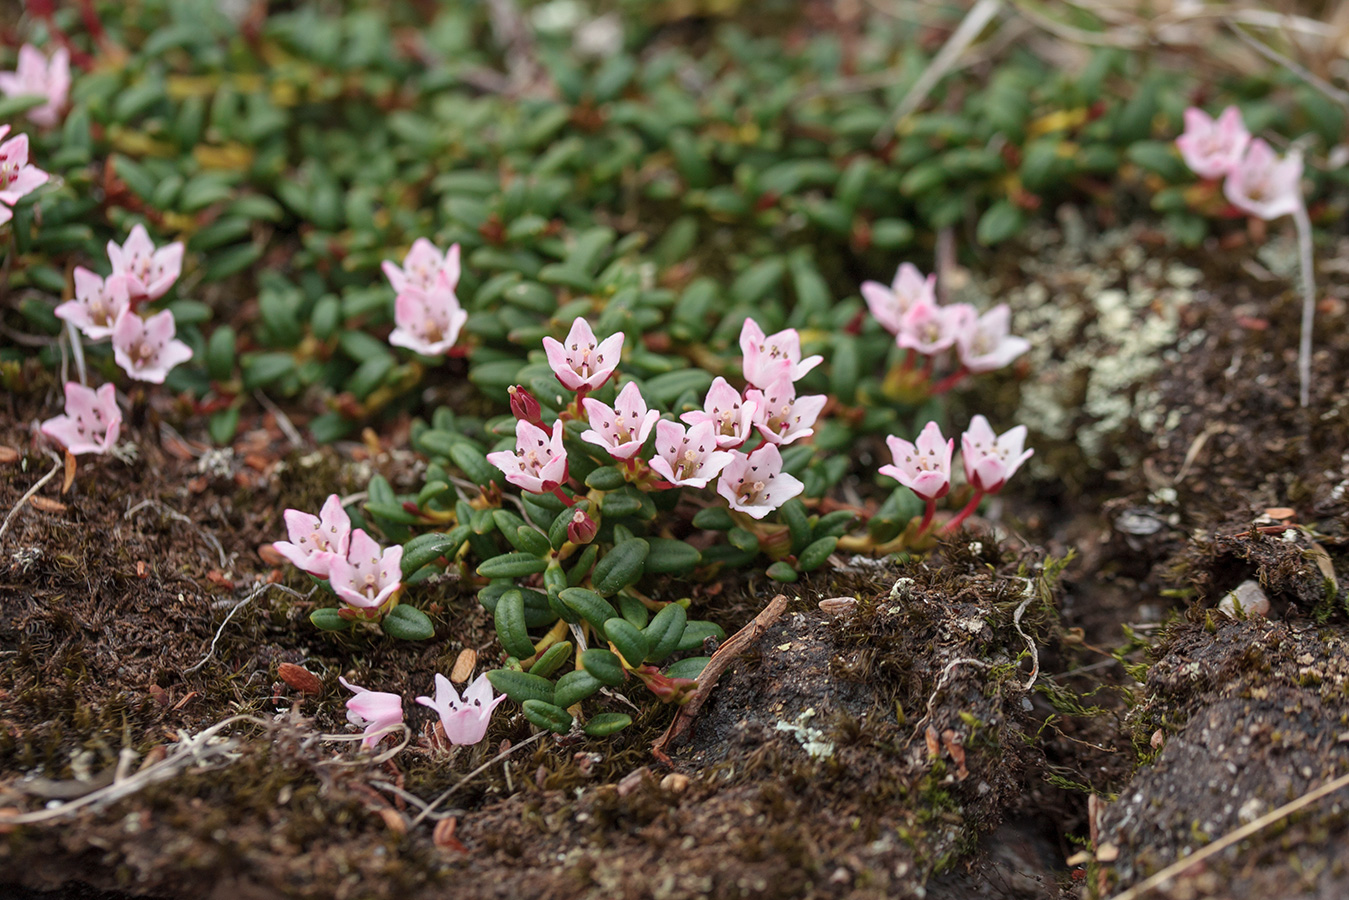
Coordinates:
column 365, row 576
column 709, row 442
column 924, row 466
column 18, row 176
column 909, row 310
column 427, row 314
column 464, row 719
column 1258, row 182
column 38, row 76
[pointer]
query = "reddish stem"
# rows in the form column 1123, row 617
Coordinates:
column 910, row 358
column 964, row 513
column 557, row 492
column 950, row 381
column 927, row 516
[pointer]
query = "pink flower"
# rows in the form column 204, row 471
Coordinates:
column 465, row 721
column 930, row 329
column 924, row 469
column 98, row 304
column 17, row 177
column 146, row 348
column 580, row 362
column 889, row 304
column 1212, row 149
column 732, row 419
column 368, row 576
column 688, row 458
column 38, row 76
column 92, row 420
column 315, row 541
column 984, row 344
column 374, row 711
column 1264, row 185
column 423, row 267
column 623, row 428
column 149, row 272
column 539, row 463
column 989, row 459
column 428, row 320
column 768, row 356
column 755, row 483
column 781, row 416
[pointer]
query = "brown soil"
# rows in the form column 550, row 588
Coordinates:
column 927, row 771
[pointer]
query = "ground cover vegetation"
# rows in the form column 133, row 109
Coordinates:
column 610, row 324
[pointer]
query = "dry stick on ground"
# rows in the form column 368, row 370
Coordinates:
column 238, row 606
column 430, row 807
column 60, row 464
column 726, row 653
column 1179, row 866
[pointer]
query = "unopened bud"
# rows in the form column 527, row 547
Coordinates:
column 581, row 529
column 524, row 407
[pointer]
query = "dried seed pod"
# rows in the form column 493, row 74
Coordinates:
column 300, row 678
column 464, row 665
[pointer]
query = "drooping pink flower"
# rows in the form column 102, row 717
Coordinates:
column 924, row 466
column 315, row 541
column 374, row 711
column 98, row 304
column 581, row 362
column 688, row 458
column 17, row 177
column 888, row 305
column 368, row 576
column 622, row 428
column 423, row 267
column 780, row 415
column 755, row 483
column 149, row 272
column 427, row 320
column 464, row 720
column 38, row 76
column 732, row 418
column 930, row 329
column 1213, row 148
column 92, row 420
column 1263, row 185
column 985, row 344
column 767, row 356
column 539, row 462
column 146, row 348
column 991, row 459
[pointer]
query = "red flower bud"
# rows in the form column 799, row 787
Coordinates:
column 524, row 407
column 581, row 529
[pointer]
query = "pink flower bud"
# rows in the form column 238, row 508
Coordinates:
column 582, row 529
column 524, row 407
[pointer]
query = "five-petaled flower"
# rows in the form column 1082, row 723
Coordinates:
column 1264, row 185
column 149, row 272
column 984, row 344
column 580, row 362
column 923, row 466
column 929, row 329
column 375, row 711
column 368, row 576
column 622, row 428
column 464, row 720
column 423, row 267
column 780, row 415
column 17, row 176
column 755, row 483
column 1213, row 148
column 732, row 418
column 991, row 459
column 315, row 541
column 98, row 304
column 92, row 420
column 888, row 305
column 38, row 76
column 146, row 348
column 688, row 458
column 768, row 356
column 539, row 461
column 428, row 320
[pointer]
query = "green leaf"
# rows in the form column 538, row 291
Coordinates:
column 547, row 716
column 408, row 623
column 999, row 222
column 328, row 619
column 606, row 724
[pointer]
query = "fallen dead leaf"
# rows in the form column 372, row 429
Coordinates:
column 9, row 455
column 46, row 504
column 1280, row 513
column 300, row 678
column 443, row 835
column 464, row 665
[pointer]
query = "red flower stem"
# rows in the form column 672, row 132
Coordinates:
column 964, row 513
column 950, row 381
column 557, row 492
column 927, row 516
column 910, row 357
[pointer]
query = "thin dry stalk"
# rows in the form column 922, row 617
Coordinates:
column 60, row 464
